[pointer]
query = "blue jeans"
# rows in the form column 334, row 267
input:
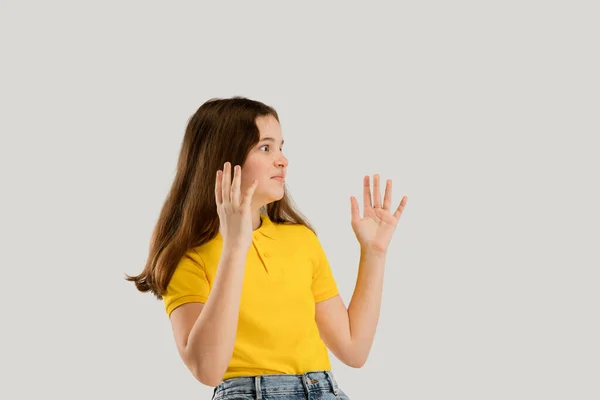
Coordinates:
column 315, row 385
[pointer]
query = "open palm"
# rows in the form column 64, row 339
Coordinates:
column 375, row 229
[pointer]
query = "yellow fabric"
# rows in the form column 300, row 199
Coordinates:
column 286, row 273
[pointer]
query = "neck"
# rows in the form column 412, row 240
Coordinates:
column 256, row 221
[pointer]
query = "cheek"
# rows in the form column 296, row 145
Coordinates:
column 249, row 173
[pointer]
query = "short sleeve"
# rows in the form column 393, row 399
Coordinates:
column 188, row 283
column 324, row 286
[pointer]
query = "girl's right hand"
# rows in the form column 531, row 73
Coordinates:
column 233, row 207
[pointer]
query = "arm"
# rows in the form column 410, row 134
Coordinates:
column 207, row 346
column 349, row 333
column 205, row 335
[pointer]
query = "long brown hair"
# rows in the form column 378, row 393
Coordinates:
column 220, row 130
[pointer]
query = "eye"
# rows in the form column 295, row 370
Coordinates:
column 267, row 146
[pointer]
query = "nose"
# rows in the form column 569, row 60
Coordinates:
column 281, row 161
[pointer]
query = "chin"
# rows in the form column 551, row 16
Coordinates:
column 276, row 196
column 272, row 197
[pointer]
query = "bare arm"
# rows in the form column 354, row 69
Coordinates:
column 363, row 311
column 205, row 335
column 349, row 333
column 211, row 340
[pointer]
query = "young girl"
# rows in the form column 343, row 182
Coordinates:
column 247, row 287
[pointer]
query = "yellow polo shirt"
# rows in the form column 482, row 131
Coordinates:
column 286, row 273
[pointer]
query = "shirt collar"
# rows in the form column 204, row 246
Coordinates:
column 267, row 227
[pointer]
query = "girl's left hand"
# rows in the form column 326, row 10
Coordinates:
column 374, row 231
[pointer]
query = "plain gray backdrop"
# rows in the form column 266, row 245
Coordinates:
column 484, row 113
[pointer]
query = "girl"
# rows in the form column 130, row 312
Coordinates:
column 246, row 285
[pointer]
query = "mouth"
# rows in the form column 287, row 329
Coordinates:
column 279, row 178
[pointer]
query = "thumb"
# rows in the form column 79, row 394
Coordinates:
column 249, row 193
column 355, row 213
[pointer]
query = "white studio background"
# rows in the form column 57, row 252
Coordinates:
column 485, row 114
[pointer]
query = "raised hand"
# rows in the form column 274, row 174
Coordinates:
column 233, row 207
column 375, row 229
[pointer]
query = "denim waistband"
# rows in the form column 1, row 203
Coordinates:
column 277, row 384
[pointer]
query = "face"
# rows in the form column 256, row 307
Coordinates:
column 266, row 163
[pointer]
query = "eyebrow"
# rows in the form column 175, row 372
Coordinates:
column 270, row 139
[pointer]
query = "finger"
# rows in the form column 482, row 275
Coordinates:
column 367, row 203
column 387, row 200
column 376, row 192
column 218, row 188
column 400, row 208
column 235, row 186
column 227, row 183
column 355, row 212
column 247, row 200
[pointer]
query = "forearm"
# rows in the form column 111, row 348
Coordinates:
column 365, row 305
column 212, row 338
